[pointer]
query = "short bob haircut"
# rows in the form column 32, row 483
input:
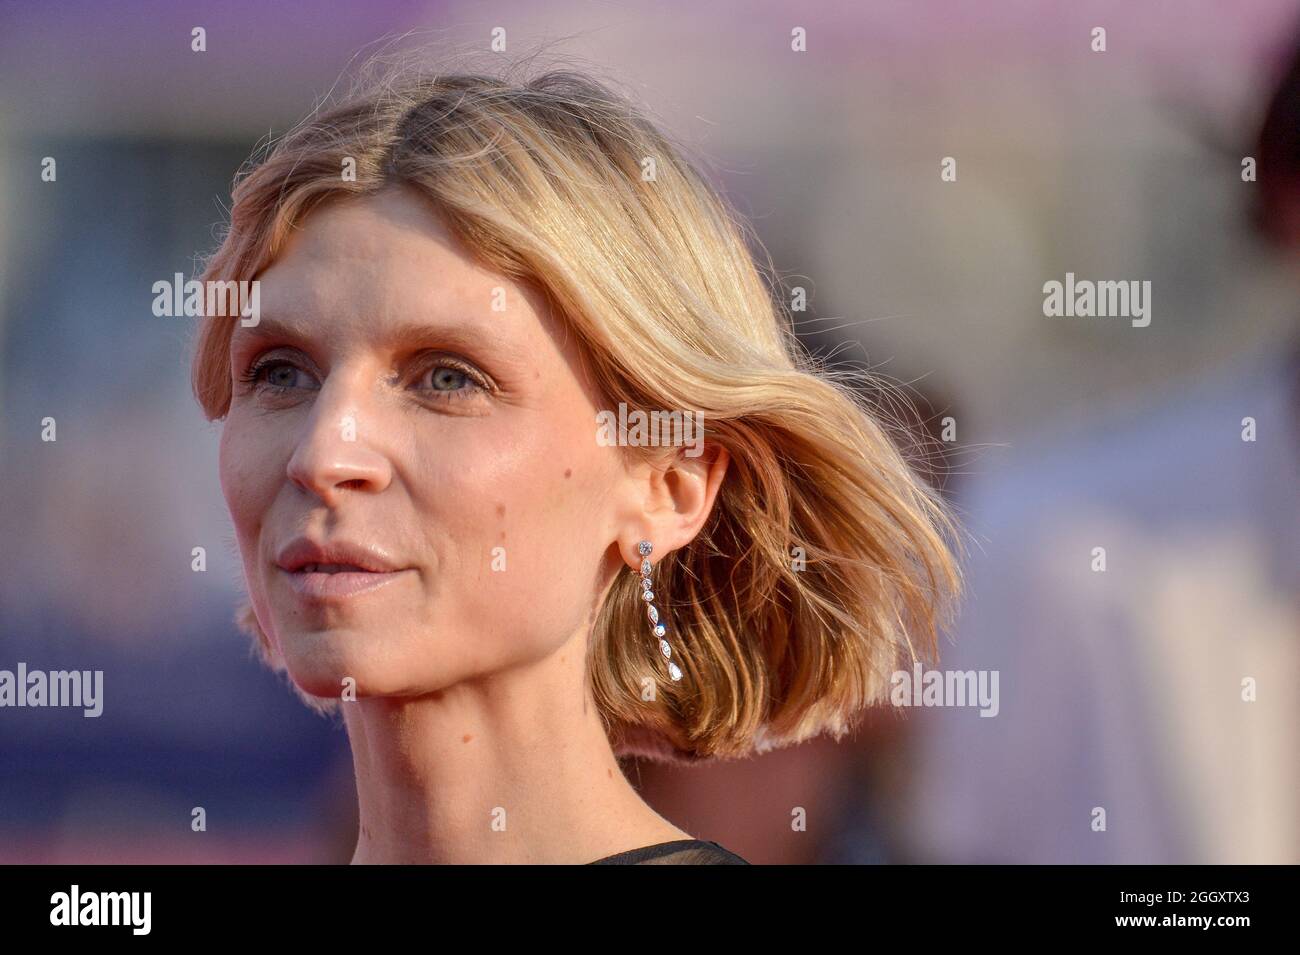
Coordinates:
column 826, row 565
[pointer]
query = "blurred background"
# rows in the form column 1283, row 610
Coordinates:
column 1120, row 689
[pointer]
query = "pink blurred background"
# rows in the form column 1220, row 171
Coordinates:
column 1119, row 690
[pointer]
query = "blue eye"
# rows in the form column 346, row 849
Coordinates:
column 447, row 378
column 276, row 377
column 276, row 374
column 443, row 380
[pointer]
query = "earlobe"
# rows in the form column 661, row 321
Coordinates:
column 629, row 549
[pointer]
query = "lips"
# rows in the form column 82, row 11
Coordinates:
column 337, row 569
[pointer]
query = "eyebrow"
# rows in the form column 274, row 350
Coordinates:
column 401, row 336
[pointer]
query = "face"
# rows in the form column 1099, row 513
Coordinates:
column 414, row 477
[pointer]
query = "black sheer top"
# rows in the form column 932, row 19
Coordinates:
column 678, row 852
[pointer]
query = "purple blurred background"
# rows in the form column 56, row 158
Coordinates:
column 1120, row 690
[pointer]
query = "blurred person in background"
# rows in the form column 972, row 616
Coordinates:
column 1137, row 591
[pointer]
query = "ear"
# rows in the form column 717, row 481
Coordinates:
column 672, row 498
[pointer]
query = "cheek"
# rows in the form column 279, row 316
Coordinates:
column 247, row 469
column 526, row 522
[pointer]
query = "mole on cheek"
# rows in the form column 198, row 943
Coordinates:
column 568, row 472
column 501, row 510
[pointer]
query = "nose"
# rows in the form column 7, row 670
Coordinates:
column 340, row 450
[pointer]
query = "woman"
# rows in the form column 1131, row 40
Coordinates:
column 456, row 527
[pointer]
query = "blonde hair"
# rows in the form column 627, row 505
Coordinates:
column 826, row 563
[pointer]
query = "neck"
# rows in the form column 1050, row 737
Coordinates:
column 515, row 767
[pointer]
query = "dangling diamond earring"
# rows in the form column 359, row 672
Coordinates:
column 647, row 594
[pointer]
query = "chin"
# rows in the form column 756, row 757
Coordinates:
column 319, row 662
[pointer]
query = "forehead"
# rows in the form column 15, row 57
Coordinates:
column 386, row 265
column 393, row 235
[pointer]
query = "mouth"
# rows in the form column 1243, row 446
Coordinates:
column 337, row 571
column 333, row 581
column 333, row 569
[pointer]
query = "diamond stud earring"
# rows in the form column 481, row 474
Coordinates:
column 648, row 595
